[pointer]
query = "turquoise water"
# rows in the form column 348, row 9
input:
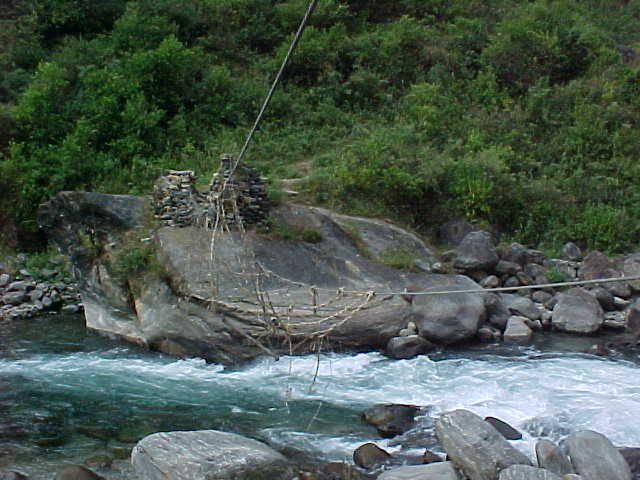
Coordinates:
column 67, row 395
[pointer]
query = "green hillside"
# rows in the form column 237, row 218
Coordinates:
column 522, row 115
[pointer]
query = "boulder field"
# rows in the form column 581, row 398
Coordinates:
column 317, row 278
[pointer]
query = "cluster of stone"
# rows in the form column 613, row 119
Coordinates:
column 237, row 193
column 28, row 294
column 480, row 449
column 177, row 202
column 583, row 309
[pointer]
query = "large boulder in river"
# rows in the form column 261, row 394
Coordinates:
column 594, row 457
column 207, row 455
column 527, row 472
column 476, row 253
column 631, row 268
column 577, row 311
column 452, row 317
column 203, row 294
column 475, row 446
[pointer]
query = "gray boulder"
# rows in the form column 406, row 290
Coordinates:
column 504, row 428
column 207, row 455
column 594, row 457
column 505, row 267
column 522, row 306
column 631, row 268
column 552, row 458
column 432, row 471
column 577, row 312
column 596, row 266
column 570, row 251
column 12, row 475
column 497, row 311
column 452, row 318
column 476, row 253
column 454, row 231
column 526, row 472
column 369, row 455
column 391, row 419
column 515, row 253
column 408, row 346
column 4, row 279
column 77, row 472
column 517, row 331
column 604, row 297
column 632, row 457
column 475, row 446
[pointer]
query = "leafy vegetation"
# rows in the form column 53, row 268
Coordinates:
column 524, row 115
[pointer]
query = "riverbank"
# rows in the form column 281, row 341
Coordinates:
column 73, row 396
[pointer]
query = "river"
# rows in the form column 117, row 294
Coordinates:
column 67, row 395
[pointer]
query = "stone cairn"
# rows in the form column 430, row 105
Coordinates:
column 178, row 203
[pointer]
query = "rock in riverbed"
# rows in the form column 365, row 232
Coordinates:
column 207, row 455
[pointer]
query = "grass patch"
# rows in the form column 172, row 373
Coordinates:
column 281, row 230
column 133, row 258
column 400, row 257
column 555, row 276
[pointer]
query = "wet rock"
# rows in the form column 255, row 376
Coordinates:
column 453, row 318
column 70, row 309
column 604, row 297
column 77, row 472
column 633, row 318
column 207, row 454
column 594, row 457
column 432, row 471
column 632, row 457
column 12, row 475
column 408, row 347
column 577, row 312
column 429, row 457
column 14, row 298
column 341, row 471
column 506, row 430
column 497, row 311
column 615, row 321
column 524, row 279
column 490, row 282
column 517, row 331
column 534, row 270
column 488, row 334
column 631, row 268
column 475, row 446
column 369, row 455
column 521, row 306
column 570, row 251
column 527, row 472
column 551, row 457
column 540, row 296
column 512, row 282
column 391, row 419
column 476, row 252
column 5, row 278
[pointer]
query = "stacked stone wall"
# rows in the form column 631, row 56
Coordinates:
column 178, row 203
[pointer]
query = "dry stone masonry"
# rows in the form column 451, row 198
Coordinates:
column 238, row 194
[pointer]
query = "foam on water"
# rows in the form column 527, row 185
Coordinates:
column 290, row 404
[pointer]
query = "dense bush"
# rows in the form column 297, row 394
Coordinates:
column 524, row 115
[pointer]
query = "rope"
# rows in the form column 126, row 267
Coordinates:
column 294, row 43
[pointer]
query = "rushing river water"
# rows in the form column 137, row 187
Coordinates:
column 67, row 395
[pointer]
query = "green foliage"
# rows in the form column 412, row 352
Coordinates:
column 290, row 232
column 523, row 115
column 400, row 257
column 134, row 257
column 555, row 276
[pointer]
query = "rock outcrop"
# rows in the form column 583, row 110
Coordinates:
column 475, row 446
column 207, row 454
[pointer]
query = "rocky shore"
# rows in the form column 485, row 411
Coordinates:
column 339, row 290
column 26, row 293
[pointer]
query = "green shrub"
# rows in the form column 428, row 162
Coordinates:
column 399, row 256
column 286, row 231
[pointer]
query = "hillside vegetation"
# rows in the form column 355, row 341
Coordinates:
column 519, row 114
